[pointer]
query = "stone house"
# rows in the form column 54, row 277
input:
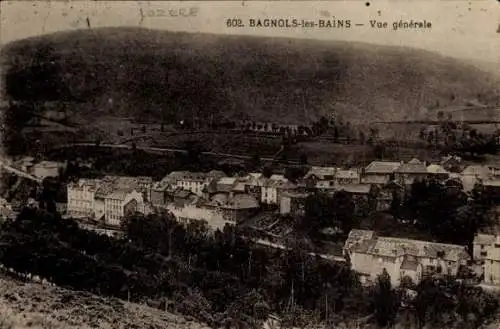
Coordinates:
column 319, row 176
column 370, row 255
column 380, row 172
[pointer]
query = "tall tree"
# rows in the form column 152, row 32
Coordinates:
column 385, row 300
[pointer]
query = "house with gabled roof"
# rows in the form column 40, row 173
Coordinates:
column 408, row 173
column 121, row 202
column 81, row 197
column 321, row 175
column 380, row 172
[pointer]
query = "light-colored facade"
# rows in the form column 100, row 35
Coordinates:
column 481, row 244
column 487, row 254
column 492, row 264
column 370, row 255
column 272, row 190
column 81, row 197
column 119, row 203
column 101, row 200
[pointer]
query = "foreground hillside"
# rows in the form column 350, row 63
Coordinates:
column 30, row 305
column 164, row 75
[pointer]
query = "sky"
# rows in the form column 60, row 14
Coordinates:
column 460, row 28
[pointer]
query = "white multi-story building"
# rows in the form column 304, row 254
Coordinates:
column 272, row 189
column 492, row 263
column 120, row 203
column 370, row 255
column 380, row 172
column 487, row 254
column 81, row 197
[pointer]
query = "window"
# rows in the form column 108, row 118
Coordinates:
column 484, row 253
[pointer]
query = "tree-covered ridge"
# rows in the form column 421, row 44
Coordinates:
column 180, row 75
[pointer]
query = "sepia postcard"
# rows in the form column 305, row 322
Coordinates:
column 250, row 164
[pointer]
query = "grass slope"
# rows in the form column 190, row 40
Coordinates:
column 158, row 74
column 29, row 305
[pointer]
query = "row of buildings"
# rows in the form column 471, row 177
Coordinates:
column 219, row 199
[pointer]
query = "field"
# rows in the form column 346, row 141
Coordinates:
column 324, row 152
column 31, row 305
column 230, row 143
